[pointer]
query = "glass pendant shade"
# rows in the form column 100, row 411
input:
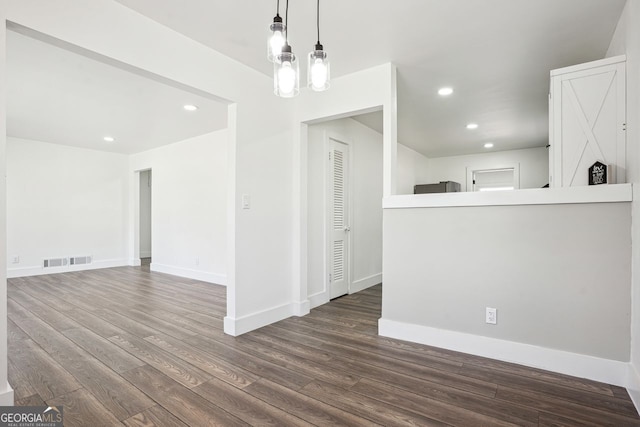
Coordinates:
column 286, row 75
column 277, row 38
column 318, row 70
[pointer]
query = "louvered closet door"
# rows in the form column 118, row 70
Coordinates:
column 339, row 212
column 589, row 110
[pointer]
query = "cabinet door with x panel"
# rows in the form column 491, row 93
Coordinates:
column 588, row 121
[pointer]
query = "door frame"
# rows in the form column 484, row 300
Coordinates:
column 328, row 194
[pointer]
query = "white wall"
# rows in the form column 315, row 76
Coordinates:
column 626, row 40
column 64, row 201
column 413, row 168
column 189, row 214
column 534, row 166
column 268, row 220
column 6, row 392
column 145, row 214
column 365, row 147
column 317, row 287
column 559, row 276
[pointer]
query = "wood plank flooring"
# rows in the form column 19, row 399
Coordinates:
column 125, row 346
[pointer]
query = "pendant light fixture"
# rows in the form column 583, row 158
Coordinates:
column 318, row 70
column 276, row 39
column 286, row 75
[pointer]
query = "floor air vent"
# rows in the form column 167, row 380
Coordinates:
column 78, row 260
column 55, row 262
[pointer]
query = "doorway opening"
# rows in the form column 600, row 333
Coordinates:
column 344, row 189
column 145, row 218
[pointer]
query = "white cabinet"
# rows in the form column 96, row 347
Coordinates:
column 587, row 119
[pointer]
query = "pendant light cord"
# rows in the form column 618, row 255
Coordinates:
column 286, row 23
column 318, row 20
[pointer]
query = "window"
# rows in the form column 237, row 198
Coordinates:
column 494, row 179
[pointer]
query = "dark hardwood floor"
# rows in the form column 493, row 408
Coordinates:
column 126, row 346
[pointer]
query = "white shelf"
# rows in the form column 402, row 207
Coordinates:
column 614, row 193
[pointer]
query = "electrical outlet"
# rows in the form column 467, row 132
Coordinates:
column 15, row 259
column 491, row 316
column 197, row 260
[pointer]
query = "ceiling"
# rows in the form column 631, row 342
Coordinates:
column 495, row 54
column 58, row 96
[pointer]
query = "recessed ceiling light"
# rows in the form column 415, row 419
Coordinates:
column 472, row 126
column 445, row 91
column 190, row 107
column 488, row 145
column 109, row 138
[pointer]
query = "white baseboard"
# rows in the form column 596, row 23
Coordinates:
column 6, row 396
column 367, row 282
column 39, row 271
column 204, row 276
column 577, row 365
column 135, row 262
column 301, row 308
column 316, row 300
column 633, row 386
column 250, row 322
